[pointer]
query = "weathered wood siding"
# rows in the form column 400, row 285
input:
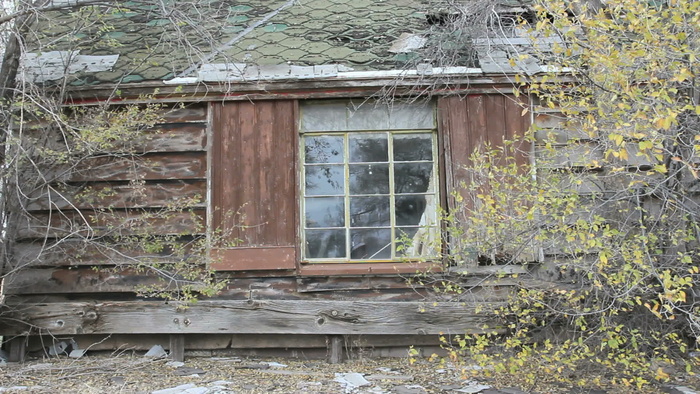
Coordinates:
column 252, row 166
column 472, row 122
column 254, row 184
column 69, row 223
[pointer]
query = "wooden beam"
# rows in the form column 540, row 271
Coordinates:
column 18, row 349
column 119, row 195
column 153, row 166
column 177, row 347
column 78, row 280
column 252, row 317
column 117, row 223
column 335, row 351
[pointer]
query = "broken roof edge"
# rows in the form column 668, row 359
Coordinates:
column 342, row 85
column 251, row 73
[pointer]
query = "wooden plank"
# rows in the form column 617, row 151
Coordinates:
column 18, row 349
column 252, row 317
column 254, row 187
column 143, row 342
column 177, row 347
column 324, row 89
column 176, row 137
column 119, row 195
column 118, row 223
column 495, row 130
column 167, row 137
column 448, row 108
column 516, row 127
column 155, row 166
column 193, row 112
column 77, row 280
column 87, row 253
column 254, row 258
column 477, row 123
column 344, row 283
column 393, row 268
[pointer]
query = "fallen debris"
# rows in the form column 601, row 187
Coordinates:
column 412, row 389
column 188, row 371
column 183, row 389
column 472, row 387
column 351, row 380
column 156, row 351
column 63, row 348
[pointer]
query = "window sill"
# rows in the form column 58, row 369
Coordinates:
column 388, row 268
column 253, row 258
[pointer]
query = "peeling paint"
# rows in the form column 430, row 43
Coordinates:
column 54, row 65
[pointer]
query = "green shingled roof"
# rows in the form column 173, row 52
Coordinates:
column 353, row 33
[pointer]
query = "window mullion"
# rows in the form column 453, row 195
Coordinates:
column 346, row 165
column 392, row 210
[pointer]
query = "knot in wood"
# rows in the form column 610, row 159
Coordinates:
column 335, row 315
column 90, row 316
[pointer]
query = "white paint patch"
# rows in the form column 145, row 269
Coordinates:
column 54, row 65
column 407, row 42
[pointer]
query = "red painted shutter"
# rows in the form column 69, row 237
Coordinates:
column 253, row 176
column 468, row 122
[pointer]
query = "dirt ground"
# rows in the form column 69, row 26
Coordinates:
column 137, row 374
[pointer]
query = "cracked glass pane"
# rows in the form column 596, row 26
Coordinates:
column 370, row 244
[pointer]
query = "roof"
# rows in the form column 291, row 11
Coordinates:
column 225, row 40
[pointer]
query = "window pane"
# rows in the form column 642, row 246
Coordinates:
column 369, row 179
column 369, row 147
column 368, row 116
column 325, row 212
column 413, row 147
column 324, row 180
column 370, row 212
column 324, row 149
column 325, row 244
column 413, row 177
column 416, row 241
column 409, row 210
column 412, row 116
column 330, row 116
column 371, row 244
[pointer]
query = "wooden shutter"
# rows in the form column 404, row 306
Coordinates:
column 254, row 184
column 467, row 123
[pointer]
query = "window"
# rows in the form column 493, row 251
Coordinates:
column 369, row 180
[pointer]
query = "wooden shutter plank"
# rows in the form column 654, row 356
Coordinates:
column 256, row 178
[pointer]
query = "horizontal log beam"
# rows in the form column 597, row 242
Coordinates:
column 120, row 195
column 154, row 166
column 92, row 253
column 250, row 317
column 80, row 280
column 118, row 223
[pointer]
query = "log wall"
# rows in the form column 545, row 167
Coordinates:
column 66, row 239
column 238, row 161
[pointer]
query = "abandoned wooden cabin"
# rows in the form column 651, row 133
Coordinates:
column 278, row 137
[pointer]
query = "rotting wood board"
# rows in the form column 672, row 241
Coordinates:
column 251, row 317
